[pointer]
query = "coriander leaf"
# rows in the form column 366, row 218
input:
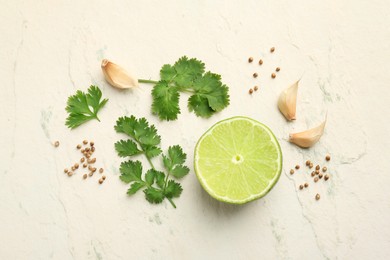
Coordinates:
column 200, row 105
column 153, row 151
column 173, row 189
column 126, row 125
column 131, row 171
column 126, row 148
column 160, row 179
column 83, row 107
column 154, row 195
column 176, row 155
column 135, row 186
column 187, row 70
column 149, row 176
column 210, row 87
column 165, row 101
column 167, row 72
column 179, row 171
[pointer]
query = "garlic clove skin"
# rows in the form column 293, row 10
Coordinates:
column 309, row 137
column 287, row 102
column 118, row 77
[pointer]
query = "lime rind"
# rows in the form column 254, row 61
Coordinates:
column 269, row 183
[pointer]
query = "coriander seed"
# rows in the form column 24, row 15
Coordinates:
column 250, row 59
column 73, row 168
column 317, row 196
column 255, row 75
column 313, row 174
column 273, row 75
column 100, row 181
column 277, row 69
column 272, row 49
column 260, row 62
column 85, row 142
column 318, row 167
column 82, row 150
column 256, row 88
column 306, row 185
column 56, row 143
column 78, row 146
column 66, row 170
column 93, row 160
column 326, row 177
column 76, row 165
column 317, row 172
column 85, row 176
column 101, row 170
column 85, row 165
column 93, row 170
column 320, row 175
column 311, row 165
column 291, row 171
column 250, row 91
column 90, row 167
column 82, row 160
column 104, row 177
column 90, row 174
column 307, row 163
column 324, row 169
column 70, row 174
column 316, row 179
column 327, row 157
column 301, row 187
column 92, row 143
column 93, row 149
column 297, row 167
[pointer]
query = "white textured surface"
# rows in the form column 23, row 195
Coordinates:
column 49, row 50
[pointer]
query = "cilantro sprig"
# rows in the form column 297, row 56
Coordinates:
column 208, row 94
column 83, row 107
column 156, row 185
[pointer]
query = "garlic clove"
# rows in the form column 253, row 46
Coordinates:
column 287, row 101
column 118, row 77
column 309, row 137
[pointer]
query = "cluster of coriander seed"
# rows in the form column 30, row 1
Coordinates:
column 86, row 161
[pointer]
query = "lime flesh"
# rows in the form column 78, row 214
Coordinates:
column 238, row 160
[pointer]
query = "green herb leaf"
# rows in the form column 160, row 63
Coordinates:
column 135, row 186
column 83, row 107
column 165, row 101
column 126, row 148
column 131, row 171
column 173, row 162
column 154, row 195
column 173, row 189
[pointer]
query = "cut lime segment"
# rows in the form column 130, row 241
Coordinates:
column 238, row 160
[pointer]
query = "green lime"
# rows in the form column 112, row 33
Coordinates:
column 238, row 160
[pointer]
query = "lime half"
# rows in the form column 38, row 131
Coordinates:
column 238, row 160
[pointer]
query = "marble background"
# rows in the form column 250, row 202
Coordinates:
column 50, row 49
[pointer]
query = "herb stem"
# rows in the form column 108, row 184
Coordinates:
column 171, row 201
column 147, row 81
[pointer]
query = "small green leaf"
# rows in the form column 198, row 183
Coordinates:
column 153, row 195
column 126, row 148
column 149, row 176
column 131, row 171
column 173, row 189
column 135, row 186
column 165, row 101
column 152, row 151
column 160, row 179
column 179, row 171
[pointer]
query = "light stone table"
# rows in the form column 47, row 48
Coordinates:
column 339, row 49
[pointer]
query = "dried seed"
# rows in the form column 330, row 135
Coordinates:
column 87, row 155
column 291, row 171
column 73, row 168
column 76, row 165
column 277, row 69
column 306, row 185
column 85, row 165
column 255, row 75
column 316, row 179
column 250, row 59
column 90, row 167
column 260, row 62
column 85, row 142
column 272, row 49
column 90, row 174
column 326, row 177
column 101, row 170
column 317, row 196
column 324, row 169
column 56, row 143
column 273, row 75
column 301, row 187
column 82, row 150
column 256, row 88
column 317, row 172
column 100, row 181
column 91, row 143
column 313, row 174
column 320, row 175
column 318, row 167
column 93, row 160
column 307, row 163
column 70, row 174
column 66, row 170
column 250, row 91
column 297, row 167
column 85, row 176
column 93, row 170
column 93, row 149
column 82, row 160
column 103, row 177
column 327, row 157
column 87, row 149
column 78, row 146
column 311, row 165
